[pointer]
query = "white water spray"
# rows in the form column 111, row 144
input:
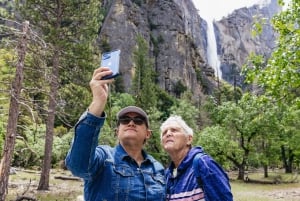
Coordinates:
column 212, row 54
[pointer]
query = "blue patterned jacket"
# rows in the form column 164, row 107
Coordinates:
column 198, row 177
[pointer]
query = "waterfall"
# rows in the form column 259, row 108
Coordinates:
column 212, row 54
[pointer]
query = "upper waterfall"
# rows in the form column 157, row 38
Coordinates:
column 212, row 53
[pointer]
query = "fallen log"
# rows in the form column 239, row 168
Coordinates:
column 27, row 198
column 68, row 178
column 248, row 180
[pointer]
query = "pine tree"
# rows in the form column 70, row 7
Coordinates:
column 143, row 86
column 69, row 29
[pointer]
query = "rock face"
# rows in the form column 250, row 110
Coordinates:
column 235, row 38
column 175, row 35
column 177, row 39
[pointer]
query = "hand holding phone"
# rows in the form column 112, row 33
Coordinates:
column 111, row 60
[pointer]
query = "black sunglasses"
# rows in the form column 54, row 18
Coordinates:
column 136, row 120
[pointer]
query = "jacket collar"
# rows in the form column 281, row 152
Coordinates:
column 186, row 162
column 122, row 154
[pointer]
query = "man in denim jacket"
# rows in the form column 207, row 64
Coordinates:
column 124, row 172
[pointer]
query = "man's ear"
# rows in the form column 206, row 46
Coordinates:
column 149, row 133
column 116, row 131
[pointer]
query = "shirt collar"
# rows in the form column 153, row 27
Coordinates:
column 122, row 154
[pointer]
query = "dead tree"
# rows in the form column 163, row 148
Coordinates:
column 13, row 113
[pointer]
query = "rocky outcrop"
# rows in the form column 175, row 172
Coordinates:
column 235, row 38
column 177, row 39
column 176, row 36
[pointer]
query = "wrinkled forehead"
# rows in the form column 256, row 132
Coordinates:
column 170, row 124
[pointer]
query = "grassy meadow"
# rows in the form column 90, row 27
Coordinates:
column 26, row 183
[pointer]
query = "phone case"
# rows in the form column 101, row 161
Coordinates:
column 111, row 60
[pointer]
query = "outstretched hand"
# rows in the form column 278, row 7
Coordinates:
column 99, row 90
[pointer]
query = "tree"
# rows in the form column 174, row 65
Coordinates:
column 279, row 77
column 242, row 123
column 70, row 35
column 187, row 111
column 13, row 113
column 143, row 86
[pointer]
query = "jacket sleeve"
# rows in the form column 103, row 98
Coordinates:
column 212, row 179
column 84, row 158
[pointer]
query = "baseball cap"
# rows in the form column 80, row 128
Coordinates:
column 134, row 109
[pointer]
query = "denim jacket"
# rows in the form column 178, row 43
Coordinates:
column 109, row 173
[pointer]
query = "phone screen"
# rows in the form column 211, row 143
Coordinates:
column 111, row 60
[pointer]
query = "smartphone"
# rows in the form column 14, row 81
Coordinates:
column 111, row 60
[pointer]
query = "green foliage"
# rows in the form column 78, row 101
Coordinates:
column 156, row 42
column 179, row 88
column 7, row 58
column 226, row 93
column 143, row 86
column 217, row 142
column 108, row 135
column 118, row 85
column 60, row 131
column 245, row 126
column 6, row 76
column 253, row 68
column 2, row 137
column 6, row 9
column 72, row 35
column 73, row 99
column 115, row 103
column 280, row 76
column 258, row 25
column 61, row 145
column 153, row 145
column 104, row 44
column 164, row 102
column 187, row 111
column 29, row 149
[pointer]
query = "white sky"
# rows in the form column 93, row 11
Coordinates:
column 216, row 9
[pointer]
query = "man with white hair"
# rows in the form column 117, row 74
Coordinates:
column 192, row 174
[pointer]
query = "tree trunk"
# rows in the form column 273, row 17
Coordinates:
column 283, row 157
column 45, row 174
column 289, row 167
column 266, row 175
column 13, row 114
column 241, row 174
column 287, row 159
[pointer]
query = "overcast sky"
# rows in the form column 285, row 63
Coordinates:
column 216, row 9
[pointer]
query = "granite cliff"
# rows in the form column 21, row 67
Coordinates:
column 236, row 38
column 178, row 42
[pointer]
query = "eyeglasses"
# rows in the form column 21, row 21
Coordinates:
column 136, row 120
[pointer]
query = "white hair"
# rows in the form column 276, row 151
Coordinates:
column 177, row 120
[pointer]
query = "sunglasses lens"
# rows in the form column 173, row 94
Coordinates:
column 136, row 120
column 124, row 120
